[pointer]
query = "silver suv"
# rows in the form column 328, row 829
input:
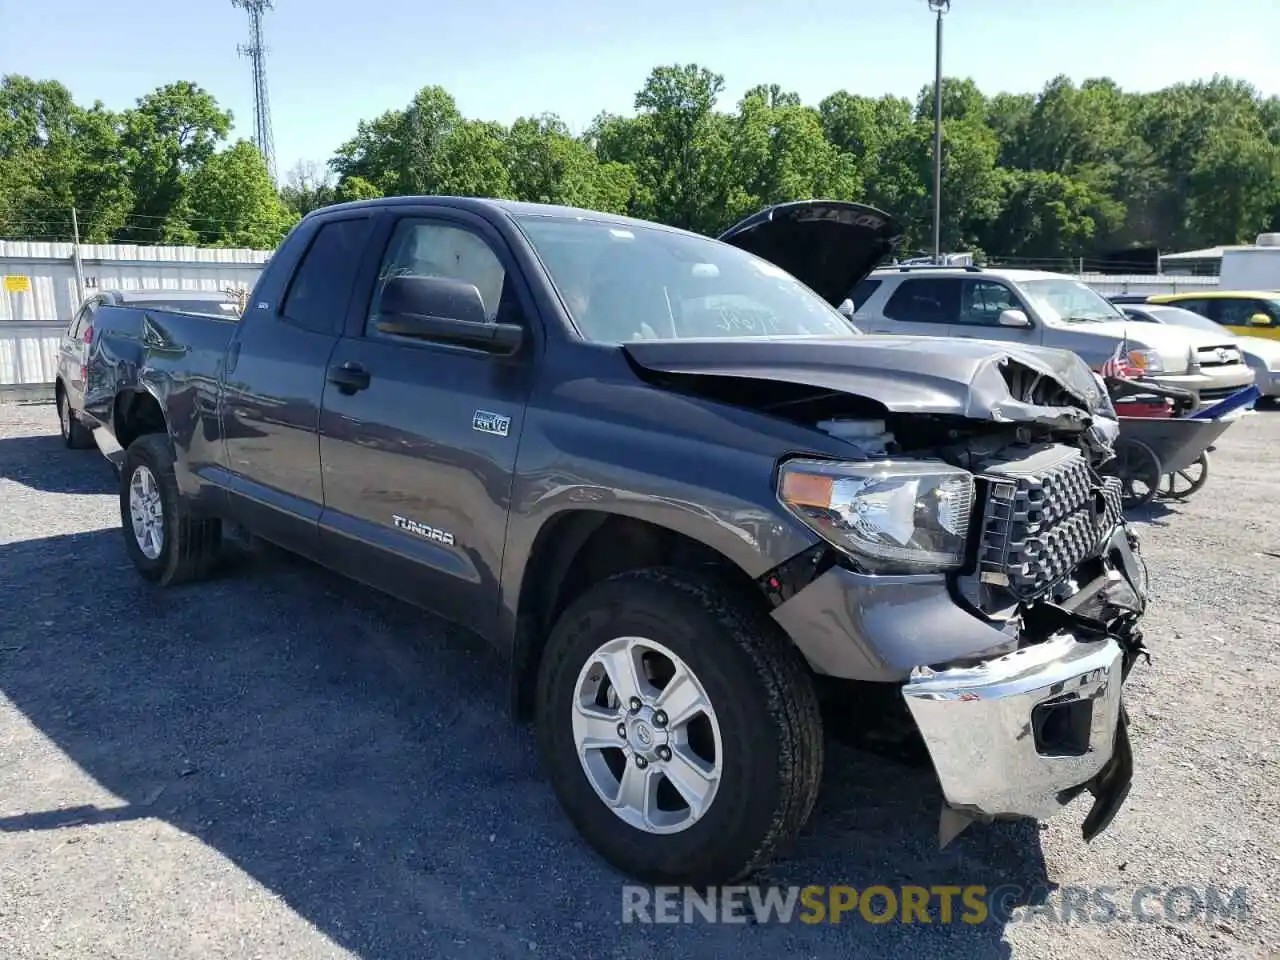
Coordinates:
column 1044, row 309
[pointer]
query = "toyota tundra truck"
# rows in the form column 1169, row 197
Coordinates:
column 679, row 492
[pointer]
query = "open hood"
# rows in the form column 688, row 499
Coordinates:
column 967, row 378
column 828, row 245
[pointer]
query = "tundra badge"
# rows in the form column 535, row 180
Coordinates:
column 485, row 422
column 421, row 529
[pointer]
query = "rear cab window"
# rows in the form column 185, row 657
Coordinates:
column 322, row 283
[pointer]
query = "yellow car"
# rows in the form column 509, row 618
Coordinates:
column 1247, row 313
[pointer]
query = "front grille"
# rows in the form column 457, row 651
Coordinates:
column 1217, row 393
column 1222, row 356
column 1045, row 513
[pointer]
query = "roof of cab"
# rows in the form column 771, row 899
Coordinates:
column 512, row 208
column 1011, row 274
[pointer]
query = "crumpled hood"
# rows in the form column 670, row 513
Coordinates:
column 923, row 375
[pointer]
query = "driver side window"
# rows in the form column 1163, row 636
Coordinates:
column 433, row 248
column 1239, row 313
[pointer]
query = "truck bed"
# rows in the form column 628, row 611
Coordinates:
column 176, row 357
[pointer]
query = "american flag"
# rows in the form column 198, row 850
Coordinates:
column 1117, row 365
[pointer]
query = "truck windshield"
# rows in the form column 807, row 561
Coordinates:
column 1069, row 300
column 629, row 282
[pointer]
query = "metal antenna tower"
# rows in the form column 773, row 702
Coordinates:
column 256, row 51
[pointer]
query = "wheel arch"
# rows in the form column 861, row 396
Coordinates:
column 576, row 549
column 137, row 411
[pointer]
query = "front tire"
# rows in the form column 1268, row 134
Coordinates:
column 681, row 729
column 166, row 543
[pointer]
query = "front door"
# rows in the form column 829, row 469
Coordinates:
column 1237, row 313
column 418, row 453
column 981, row 304
column 274, row 379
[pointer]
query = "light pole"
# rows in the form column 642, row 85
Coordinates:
column 939, row 7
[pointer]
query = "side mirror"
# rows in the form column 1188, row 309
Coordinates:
column 847, row 308
column 1013, row 318
column 1260, row 320
column 444, row 309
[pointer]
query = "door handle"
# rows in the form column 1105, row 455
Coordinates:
column 349, row 377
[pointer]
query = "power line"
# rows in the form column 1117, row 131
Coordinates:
column 256, row 51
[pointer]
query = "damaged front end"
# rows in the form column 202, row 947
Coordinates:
column 972, row 553
column 1025, row 732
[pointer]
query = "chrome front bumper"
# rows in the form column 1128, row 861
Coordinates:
column 1020, row 735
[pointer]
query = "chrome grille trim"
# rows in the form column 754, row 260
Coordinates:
column 1045, row 513
column 1218, row 356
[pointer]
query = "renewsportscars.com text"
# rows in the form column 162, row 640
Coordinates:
column 971, row 904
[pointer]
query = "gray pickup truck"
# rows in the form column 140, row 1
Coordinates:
column 681, row 494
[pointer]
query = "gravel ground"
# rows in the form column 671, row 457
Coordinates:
column 279, row 764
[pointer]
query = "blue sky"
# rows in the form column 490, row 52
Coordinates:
column 332, row 63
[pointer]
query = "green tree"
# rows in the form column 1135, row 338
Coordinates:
column 375, row 154
column 1073, row 170
column 171, row 133
column 55, row 155
column 233, row 202
column 682, row 147
column 1043, row 216
column 308, row 186
column 355, row 188
column 549, row 165
column 780, row 152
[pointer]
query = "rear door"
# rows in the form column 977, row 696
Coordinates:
column 920, row 307
column 274, row 377
column 418, row 460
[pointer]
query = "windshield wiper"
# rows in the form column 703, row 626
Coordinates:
column 1085, row 318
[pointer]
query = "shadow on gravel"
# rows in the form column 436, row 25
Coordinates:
column 45, row 464
column 1157, row 513
column 354, row 756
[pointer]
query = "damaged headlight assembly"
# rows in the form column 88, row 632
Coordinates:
column 890, row 516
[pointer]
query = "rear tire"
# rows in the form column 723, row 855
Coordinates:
column 164, row 540
column 760, row 702
column 75, row 435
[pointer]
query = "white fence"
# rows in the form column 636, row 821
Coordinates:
column 40, row 286
column 1146, row 284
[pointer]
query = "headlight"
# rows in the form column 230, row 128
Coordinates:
column 1148, row 361
column 892, row 516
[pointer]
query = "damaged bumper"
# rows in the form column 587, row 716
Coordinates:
column 1023, row 734
column 1016, row 724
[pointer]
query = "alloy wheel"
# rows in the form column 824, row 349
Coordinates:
column 647, row 735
